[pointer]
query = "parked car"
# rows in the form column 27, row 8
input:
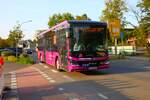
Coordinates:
column 8, row 52
column 28, row 51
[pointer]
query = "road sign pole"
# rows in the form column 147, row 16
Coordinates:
column 115, row 45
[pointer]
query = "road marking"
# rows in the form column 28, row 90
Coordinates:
column 60, row 89
column 13, row 81
column 45, row 76
column 40, row 63
column 12, row 73
column 54, row 71
column 102, row 96
column 52, row 81
column 69, row 78
column 13, row 78
column 14, row 84
column 48, row 78
column 41, row 72
column 73, row 98
column 147, row 67
column 46, row 67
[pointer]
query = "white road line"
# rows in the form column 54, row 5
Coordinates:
column 60, row 89
column 14, row 98
column 13, row 81
column 46, row 67
column 41, row 72
column 13, row 84
column 54, row 71
column 102, row 96
column 69, row 78
column 73, row 98
column 52, row 81
column 147, row 67
column 13, row 75
column 44, row 74
column 12, row 72
column 13, row 78
column 48, row 78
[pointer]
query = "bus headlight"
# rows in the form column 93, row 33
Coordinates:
column 106, row 62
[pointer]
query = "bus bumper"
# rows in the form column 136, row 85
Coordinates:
column 81, row 68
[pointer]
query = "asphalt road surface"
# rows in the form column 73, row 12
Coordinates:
column 127, row 79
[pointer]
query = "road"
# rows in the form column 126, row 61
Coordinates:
column 125, row 80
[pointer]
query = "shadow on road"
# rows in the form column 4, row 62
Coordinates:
column 123, row 67
column 69, row 91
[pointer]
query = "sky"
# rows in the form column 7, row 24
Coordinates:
column 39, row 11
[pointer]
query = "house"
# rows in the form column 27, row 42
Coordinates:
column 27, row 44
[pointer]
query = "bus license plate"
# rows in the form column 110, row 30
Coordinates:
column 92, row 68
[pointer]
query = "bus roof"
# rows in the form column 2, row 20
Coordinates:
column 66, row 24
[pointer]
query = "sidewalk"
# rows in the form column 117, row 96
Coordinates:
column 139, row 58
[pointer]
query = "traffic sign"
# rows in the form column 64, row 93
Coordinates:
column 121, row 35
column 114, row 27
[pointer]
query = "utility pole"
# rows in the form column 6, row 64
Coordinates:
column 114, row 29
column 19, row 26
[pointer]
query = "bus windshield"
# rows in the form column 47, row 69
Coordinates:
column 89, row 39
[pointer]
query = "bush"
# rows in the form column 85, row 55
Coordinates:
column 11, row 59
column 5, row 58
column 23, row 55
column 6, row 53
column 25, row 60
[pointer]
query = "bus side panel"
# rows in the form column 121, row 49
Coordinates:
column 55, row 57
column 49, row 58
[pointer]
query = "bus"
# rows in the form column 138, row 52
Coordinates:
column 75, row 46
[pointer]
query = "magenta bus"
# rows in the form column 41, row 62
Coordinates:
column 75, row 46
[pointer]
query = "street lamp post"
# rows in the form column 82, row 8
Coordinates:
column 19, row 26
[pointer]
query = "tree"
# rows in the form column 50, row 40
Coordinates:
column 82, row 17
column 15, row 35
column 144, row 22
column 114, row 10
column 57, row 18
column 4, row 43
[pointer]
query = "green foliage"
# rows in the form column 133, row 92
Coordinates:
column 5, row 58
column 114, row 10
column 6, row 53
column 15, row 35
column 4, row 43
column 57, row 18
column 25, row 59
column 144, row 24
column 82, row 17
column 11, row 59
